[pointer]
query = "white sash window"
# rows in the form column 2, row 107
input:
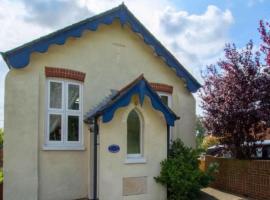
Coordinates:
column 64, row 115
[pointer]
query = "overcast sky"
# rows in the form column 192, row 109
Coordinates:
column 195, row 31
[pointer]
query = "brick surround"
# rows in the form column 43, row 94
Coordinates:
column 64, row 73
column 80, row 76
column 250, row 178
column 160, row 87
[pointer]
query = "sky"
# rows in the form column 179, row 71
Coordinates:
column 194, row 31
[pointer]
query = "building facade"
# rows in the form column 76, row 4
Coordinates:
column 62, row 85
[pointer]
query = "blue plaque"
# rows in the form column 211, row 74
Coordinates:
column 114, row 148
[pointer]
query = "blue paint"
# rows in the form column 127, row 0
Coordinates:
column 114, row 148
column 140, row 87
column 19, row 57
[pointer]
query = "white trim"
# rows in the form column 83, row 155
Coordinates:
column 66, row 129
column 48, row 129
column 167, row 95
column 52, row 111
column 49, row 94
column 140, row 155
column 60, row 148
column 64, row 144
column 80, row 100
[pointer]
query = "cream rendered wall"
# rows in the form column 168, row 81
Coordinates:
column 112, row 165
column 21, row 135
column 111, row 57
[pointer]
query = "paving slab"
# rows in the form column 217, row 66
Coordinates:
column 214, row 194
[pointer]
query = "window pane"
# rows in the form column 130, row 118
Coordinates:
column 73, row 97
column 133, row 133
column 55, row 95
column 164, row 99
column 73, row 128
column 55, row 127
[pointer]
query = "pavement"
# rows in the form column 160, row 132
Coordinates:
column 213, row 194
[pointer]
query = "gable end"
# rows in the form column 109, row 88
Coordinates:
column 19, row 57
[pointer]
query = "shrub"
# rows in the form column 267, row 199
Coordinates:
column 181, row 175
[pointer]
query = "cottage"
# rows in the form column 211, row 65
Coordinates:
column 90, row 111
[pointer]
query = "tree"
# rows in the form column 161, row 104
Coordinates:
column 236, row 100
column 209, row 141
column 264, row 30
column 200, row 131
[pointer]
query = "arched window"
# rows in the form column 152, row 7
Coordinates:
column 134, row 137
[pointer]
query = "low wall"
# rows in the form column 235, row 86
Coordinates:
column 250, row 178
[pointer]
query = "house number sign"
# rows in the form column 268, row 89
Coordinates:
column 114, row 148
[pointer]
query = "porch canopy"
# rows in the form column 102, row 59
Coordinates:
column 122, row 98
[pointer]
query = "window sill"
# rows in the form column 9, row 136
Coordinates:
column 139, row 160
column 62, row 148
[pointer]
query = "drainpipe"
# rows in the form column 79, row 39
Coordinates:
column 168, row 148
column 168, row 139
column 96, row 132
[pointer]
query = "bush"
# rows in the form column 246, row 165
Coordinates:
column 181, row 175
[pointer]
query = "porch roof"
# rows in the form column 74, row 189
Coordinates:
column 121, row 98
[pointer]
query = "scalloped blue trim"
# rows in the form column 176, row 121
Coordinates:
column 19, row 57
column 142, row 89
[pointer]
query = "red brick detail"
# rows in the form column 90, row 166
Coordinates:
column 250, row 178
column 160, row 87
column 64, row 73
